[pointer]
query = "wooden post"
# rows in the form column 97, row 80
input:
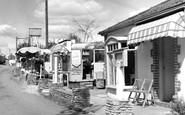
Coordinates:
column 40, row 71
column 56, row 69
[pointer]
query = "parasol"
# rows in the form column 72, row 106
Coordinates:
column 28, row 51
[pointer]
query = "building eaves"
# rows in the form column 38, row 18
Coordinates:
column 163, row 8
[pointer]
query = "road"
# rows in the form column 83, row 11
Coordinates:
column 15, row 101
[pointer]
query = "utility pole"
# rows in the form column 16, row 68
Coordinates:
column 46, row 17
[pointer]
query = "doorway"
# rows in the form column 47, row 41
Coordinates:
column 130, row 69
column 166, row 69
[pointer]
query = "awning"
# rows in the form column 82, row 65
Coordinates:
column 173, row 26
column 28, row 51
column 45, row 51
column 59, row 48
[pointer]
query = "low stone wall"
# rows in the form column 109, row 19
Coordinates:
column 62, row 95
column 115, row 107
column 78, row 98
column 81, row 97
column 44, row 84
column 32, row 79
column 16, row 72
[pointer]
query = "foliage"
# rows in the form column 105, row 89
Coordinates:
column 74, row 37
column 2, row 60
column 51, row 44
column 178, row 105
column 24, row 44
column 11, row 57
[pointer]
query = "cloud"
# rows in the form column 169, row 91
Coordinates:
column 62, row 12
column 7, row 30
column 60, row 8
column 58, row 28
column 137, row 12
column 7, row 38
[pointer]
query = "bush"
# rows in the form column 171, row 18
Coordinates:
column 178, row 105
column 2, row 60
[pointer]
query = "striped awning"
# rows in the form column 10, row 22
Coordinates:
column 173, row 26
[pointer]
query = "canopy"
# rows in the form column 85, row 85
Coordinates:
column 59, row 48
column 28, row 51
column 173, row 26
column 45, row 51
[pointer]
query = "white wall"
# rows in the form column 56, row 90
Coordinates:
column 144, row 61
column 181, row 59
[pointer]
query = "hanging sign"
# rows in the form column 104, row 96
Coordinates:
column 76, row 66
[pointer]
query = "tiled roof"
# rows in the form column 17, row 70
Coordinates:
column 162, row 8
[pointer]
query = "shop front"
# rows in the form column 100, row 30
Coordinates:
column 161, row 54
column 86, row 64
column 120, row 67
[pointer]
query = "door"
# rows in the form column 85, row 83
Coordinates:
column 166, row 69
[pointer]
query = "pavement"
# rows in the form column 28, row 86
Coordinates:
column 98, row 102
column 99, row 96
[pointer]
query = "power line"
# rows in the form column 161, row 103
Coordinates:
column 8, row 34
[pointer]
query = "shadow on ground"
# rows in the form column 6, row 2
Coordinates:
column 89, row 110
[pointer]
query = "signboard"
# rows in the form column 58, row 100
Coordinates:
column 76, row 66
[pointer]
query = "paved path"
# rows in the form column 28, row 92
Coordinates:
column 18, row 99
column 14, row 100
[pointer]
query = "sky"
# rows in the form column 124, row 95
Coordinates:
column 17, row 16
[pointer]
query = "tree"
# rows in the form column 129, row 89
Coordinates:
column 2, row 59
column 24, row 44
column 51, row 44
column 85, row 28
column 74, row 37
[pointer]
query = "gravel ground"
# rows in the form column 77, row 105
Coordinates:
column 18, row 99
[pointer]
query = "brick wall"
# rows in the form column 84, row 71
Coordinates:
column 176, row 65
column 155, row 67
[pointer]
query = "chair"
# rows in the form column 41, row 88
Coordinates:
column 137, row 86
column 146, row 91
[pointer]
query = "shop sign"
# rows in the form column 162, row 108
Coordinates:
column 76, row 66
column 85, row 53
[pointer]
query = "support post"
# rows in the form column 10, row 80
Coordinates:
column 56, row 69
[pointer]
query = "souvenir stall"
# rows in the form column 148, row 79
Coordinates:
column 60, row 59
column 87, row 66
column 98, row 62
column 29, row 57
column 81, row 66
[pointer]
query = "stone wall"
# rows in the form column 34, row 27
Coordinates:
column 78, row 98
column 115, row 107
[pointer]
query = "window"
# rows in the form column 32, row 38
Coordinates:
column 99, row 55
column 112, row 47
column 123, row 45
column 110, row 70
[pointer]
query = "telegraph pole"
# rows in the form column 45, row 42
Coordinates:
column 46, row 17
